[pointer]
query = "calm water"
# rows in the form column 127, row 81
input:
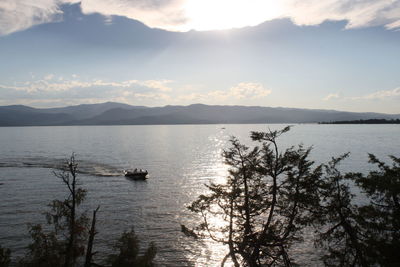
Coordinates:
column 180, row 160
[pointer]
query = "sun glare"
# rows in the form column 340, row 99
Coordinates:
column 225, row 14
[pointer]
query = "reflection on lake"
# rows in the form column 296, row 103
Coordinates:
column 180, row 160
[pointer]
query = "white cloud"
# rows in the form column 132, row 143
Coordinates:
column 166, row 14
column 331, row 96
column 241, row 91
column 359, row 13
column 49, row 77
column 393, row 25
column 181, row 15
column 192, row 97
column 131, row 94
column 383, row 94
column 16, row 15
column 249, row 90
column 47, row 85
column 51, row 91
column 153, row 96
column 62, row 102
column 378, row 95
column 157, row 84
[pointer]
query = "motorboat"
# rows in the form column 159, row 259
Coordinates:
column 136, row 174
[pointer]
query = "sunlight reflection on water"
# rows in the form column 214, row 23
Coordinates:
column 180, row 159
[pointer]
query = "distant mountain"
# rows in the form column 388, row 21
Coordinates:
column 369, row 121
column 87, row 111
column 122, row 114
column 26, row 116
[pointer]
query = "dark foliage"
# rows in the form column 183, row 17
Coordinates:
column 361, row 235
column 68, row 236
column 128, row 252
column 265, row 203
column 271, row 196
column 64, row 244
column 5, row 257
column 381, row 217
column 337, row 220
column 45, row 250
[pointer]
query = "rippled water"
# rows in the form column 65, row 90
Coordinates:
column 180, row 160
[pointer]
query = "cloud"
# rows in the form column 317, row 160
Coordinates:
column 156, row 84
column 249, row 90
column 16, row 15
column 182, row 15
column 165, row 14
column 358, row 13
column 49, row 77
column 48, row 85
column 393, row 25
column 241, row 91
column 67, row 101
column 378, row 95
column 381, row 95
column 331, row 96
column 51, row 91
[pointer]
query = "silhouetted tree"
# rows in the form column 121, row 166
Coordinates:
column 337, row 220
column 5, row 257
column 128, row 252
column 45, row 250
column 92, row 234
column 65, row 243
column 64, row 215
column 381, row 217
column 367, row 234
column 265, row 203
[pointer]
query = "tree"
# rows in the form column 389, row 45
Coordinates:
column 128, row 252
column 5, row 255
column 266, row 201
column 381, row 217
column 45, row 250
column 63, row 245
column 64, row 215
column 337, row 220
column 68, row 236
column 92, row 234
column 360, row 235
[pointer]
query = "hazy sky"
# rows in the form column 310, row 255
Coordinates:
column 325, row 54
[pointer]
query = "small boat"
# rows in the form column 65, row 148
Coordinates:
column 136, row 174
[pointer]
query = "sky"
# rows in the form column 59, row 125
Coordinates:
column 325, row 54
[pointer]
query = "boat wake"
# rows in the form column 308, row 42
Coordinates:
column 84, row 167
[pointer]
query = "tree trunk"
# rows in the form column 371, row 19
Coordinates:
column 92, row 233
column 71, row 240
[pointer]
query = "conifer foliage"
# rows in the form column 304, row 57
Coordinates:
column 68, row 239
column 271, row 197
column 262, row 208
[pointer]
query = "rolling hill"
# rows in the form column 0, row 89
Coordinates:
column 122, row 114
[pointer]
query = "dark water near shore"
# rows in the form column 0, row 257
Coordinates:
column 180, row 160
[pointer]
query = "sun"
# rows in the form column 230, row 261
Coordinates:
column 226, row 14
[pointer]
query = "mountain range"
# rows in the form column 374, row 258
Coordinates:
column 111, row 113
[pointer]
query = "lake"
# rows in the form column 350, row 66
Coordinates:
column 180, row 160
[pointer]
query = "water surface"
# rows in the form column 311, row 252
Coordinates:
column 180, row 160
